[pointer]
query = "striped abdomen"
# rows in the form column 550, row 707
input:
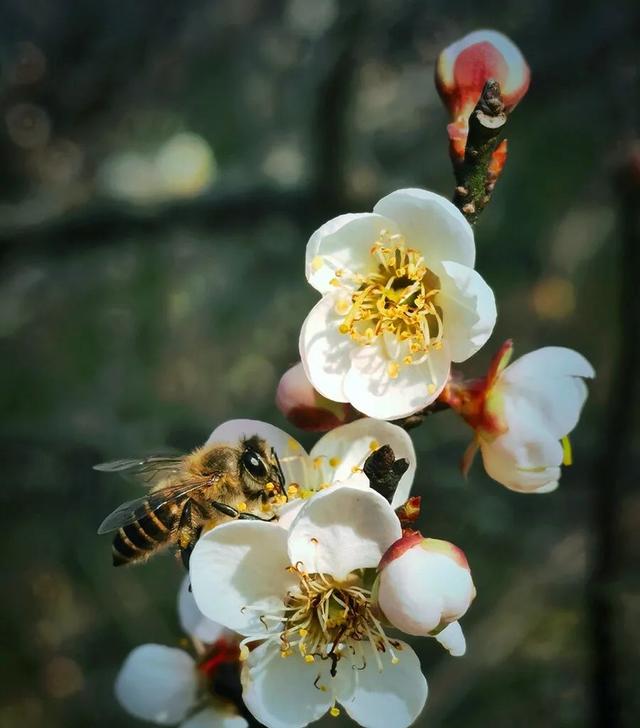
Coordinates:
column 140, row 539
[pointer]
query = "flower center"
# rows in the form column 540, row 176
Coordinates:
column 325, row 616
column 398, row 301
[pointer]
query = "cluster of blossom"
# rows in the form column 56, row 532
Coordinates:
column 308, row 606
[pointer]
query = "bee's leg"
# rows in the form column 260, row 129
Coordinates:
column 235, row 513
column 188, row 532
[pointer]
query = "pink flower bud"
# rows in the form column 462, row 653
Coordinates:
column 465, row 66
column 424, row 584
column 305, row 408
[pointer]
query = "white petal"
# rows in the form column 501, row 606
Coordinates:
column 344, row 242
column 215, row 718
column 325, row 352
column 421, row 589
column 158, row 684
column 452, row 639
column 502, row 466
column 431, row 224
column 371, row 391
column 291, row 454
column 557, row 401
column 280, row 692
column 348, row 446
column 192, row 621
column 342, row 529
column 550, row 361
column 394, row 697
column 549, row 379
column 241, row 564
column 528, row 440
column 468, row 307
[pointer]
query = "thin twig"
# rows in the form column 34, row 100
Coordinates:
column 477, row 173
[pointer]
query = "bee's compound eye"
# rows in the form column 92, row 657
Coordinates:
column 254, row 464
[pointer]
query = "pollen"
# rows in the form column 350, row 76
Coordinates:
column 292, row 490
column 399, row 299
column 242, row 507
column 328, row 619
column 334, row 712
column 270, row 487
column 334, row 462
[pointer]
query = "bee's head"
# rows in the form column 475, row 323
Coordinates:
column 259, row 469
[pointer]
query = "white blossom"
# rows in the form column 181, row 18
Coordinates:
column 304, row 594
column 400, row 301
column 523, row 413
column 338, row 455
column 163, row 685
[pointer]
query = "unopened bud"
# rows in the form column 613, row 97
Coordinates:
column 307, row 409
column 424, row 584
column 465, row 66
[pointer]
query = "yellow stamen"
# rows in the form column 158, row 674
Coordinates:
column 374, row 445
column 309, row 659
column 334, row 712
column 567, row 453
column 334, row 462
column 317, row 263
column 399, row 298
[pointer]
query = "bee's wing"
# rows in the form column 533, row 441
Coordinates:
column 148, row 471
column 134, row 510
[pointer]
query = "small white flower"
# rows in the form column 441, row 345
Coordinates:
column 305, row 595
column 163, row 685
column 523, row 413
column 424, row 587
column 337, row 456
column 400, row 302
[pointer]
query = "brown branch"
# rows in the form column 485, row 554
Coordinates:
column 477, row 173
column 106, row 221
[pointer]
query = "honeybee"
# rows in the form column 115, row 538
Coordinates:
column 190, row 494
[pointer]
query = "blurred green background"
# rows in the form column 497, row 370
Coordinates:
column 163, row 165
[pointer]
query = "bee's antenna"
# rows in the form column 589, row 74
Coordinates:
column 280, row 472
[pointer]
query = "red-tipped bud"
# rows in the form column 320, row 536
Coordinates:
column 305, row 408
column 424, row 584
column 465, row 66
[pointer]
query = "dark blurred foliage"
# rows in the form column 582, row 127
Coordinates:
column 163, row 165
